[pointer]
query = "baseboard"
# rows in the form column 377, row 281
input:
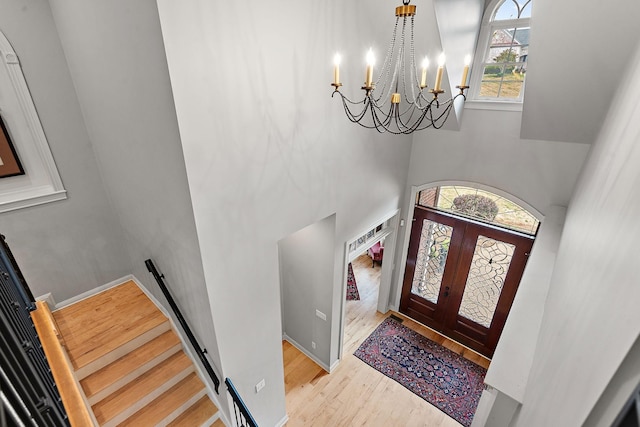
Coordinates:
column 283, row 421
column 334, row 365
column 303, row 350
column 94, row 291
column 48, row 298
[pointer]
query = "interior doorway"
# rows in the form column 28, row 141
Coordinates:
column 370, row 255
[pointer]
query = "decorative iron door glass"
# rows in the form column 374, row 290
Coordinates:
column 9, row 162
column 462, row 276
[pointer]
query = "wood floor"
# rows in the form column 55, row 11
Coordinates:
column 356, row 394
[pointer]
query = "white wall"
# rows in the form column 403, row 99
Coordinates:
column 511, row 362
column 619, row 390
column 510, row 367
column 591, row 318
column 574, row 69
column 306, row 280
column 71, row 246
column 268, row 152
column 116, row 57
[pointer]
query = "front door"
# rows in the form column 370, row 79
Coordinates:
column 462, row 276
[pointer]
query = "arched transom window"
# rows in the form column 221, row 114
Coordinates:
column 479, row 205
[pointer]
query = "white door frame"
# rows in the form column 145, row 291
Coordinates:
column 387, row 267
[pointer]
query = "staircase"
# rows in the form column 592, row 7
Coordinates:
column 130, row 363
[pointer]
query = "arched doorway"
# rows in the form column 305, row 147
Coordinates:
column 467, row 252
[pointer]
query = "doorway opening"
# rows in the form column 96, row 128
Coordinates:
column 367, row 270
column 467, row 252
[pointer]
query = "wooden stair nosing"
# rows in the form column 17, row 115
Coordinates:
column 134, row 396
column 130, row 366
column 166, row 408
column 128, row 347
column 194, row 414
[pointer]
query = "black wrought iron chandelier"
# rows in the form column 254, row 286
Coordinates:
column 398, row 102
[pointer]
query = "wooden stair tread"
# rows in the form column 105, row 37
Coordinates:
column 197, row 414
column 167, row 403
column 129, row 363
column 218, row 423
column 130, row 394
column 99, row 324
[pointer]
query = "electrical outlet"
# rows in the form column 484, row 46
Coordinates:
column 321, row 315
column 260, row 385
column 313, row 345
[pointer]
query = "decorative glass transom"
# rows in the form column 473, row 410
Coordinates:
column 479, row 205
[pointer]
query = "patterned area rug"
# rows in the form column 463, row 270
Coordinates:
column 352, row 289
column 441, row 377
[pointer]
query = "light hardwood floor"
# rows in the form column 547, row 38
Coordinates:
column 356, row 394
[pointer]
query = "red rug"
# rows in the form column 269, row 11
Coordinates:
column 352, row 289
column 438, row 375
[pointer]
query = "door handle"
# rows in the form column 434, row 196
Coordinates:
column 446, row 291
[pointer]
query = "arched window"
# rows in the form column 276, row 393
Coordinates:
column 479, row 205
column 503, row 49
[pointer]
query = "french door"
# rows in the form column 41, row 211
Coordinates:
column 462, row 276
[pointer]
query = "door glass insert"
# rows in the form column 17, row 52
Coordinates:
column 432, row 256
column 489, row 267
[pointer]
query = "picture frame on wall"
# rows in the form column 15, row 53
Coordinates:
column 9, row 162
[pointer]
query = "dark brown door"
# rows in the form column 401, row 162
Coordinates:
column 462, row 276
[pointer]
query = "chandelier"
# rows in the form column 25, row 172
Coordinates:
column 397, row 102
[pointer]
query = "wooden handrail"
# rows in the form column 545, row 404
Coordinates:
column 72, row 396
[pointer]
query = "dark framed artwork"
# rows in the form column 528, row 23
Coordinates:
column 9, row 162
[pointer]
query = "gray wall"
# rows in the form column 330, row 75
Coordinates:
column 591, row 317
column 268, row 152
column 306, row 280
column 116, row 57
column 573, row 72
column 71, row 246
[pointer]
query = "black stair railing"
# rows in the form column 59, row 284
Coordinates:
column 26, row 381
column 240, row 410
column 185, row 326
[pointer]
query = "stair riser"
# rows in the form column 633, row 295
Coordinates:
column 136, row 406
column 133, row 375
column 114, row 355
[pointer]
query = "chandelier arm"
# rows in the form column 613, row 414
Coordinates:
column 386, row 124
column 355, row 118
column 445, row 114
column 387, row 116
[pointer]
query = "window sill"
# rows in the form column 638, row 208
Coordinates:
column 494, row 105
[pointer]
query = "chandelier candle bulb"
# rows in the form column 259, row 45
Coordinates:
column 441, row 60
column 370, row 61
column 423, row 79
column 336, row 69
column 465, row 71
